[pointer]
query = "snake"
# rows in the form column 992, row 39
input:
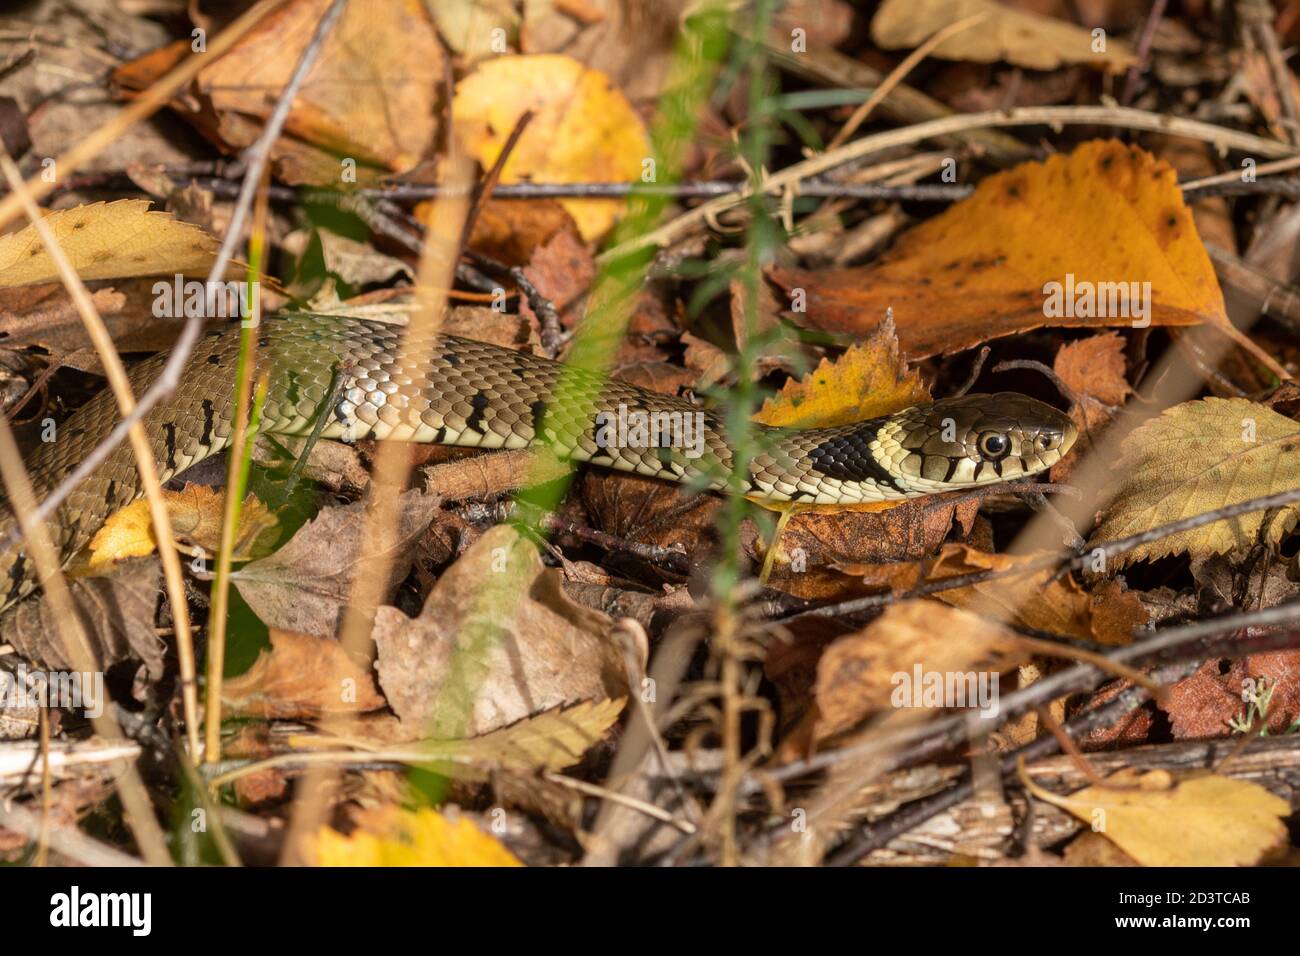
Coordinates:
column 339, row 376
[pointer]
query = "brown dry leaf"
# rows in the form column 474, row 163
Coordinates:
column 1098, row 221
column 301, row 677
column 650, row 511
column 196, row 514
column 373, row 95
column 118, row 610
column 43, row 316
column 108, row 240
column 394, row 836
column 901, row 659
column 497, row 641
column 562, row 270
column 812, row 545
column 511, row 232
column 870, row 379
column 470, row 26
column 1208, row 702
column 1030, row 600
column 1093, row 369
column 1194, row 458
column 1202, row 821
column 632, row 43
column 304, row 586
column 1019, row 37
column 583, row 129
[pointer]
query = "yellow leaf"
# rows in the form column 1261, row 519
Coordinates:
column 108, row 240
column 1194, row 458
column 1022, row 38
column 1203, row 821
column 583, row 128
column 196, row 514
column 868, row 380
column 392, row 836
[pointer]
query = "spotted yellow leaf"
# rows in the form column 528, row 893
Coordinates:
column 1194, row 458
column 1202, row 821
column 108, row 240
column 393, row 836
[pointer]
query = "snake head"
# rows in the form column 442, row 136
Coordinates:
column 975, row 440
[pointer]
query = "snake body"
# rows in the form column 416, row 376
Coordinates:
column 459, row 391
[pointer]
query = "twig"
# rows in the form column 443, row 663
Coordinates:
column 898, row 74
column 1143, row 51
column 489, row 183
column 976, row 367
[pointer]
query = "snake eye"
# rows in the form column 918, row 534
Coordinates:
column 993, row 445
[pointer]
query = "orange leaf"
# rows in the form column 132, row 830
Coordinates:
column 1072, row 242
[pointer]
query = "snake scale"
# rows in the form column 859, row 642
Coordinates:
column 472, row 394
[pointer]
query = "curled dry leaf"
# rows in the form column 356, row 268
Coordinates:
column 302, row 677
column 1067, row 242
column 583, row 128
column 497, row 641
column 813, row 547
column 372, row 96
column 117, row 609
column 1093, row 369
column 1194, row 458
column 1019, row 37
column 1202, row 821
column 918, row 654
column 304, row 586
column 870, row 379
column 394, row 836
column 108, row 240
column 1032, row 599
column 196, row 514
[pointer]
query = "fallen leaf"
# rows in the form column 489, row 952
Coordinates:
column 1019, row 37
column 108, row 240
column 497, row 641
column 1194, row 458
column 304, row 586
column 118, row 610
column 868, row 380
column 1209, row 702
column 1202, row 821
column 583, row 129
column 301, row 677
column 632, row 43
column 196, row 515
column 1041, row 244
column 1032, row 600
column 394, row 836
column 1093, row 370
column 372, row 97
column 907, row 658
